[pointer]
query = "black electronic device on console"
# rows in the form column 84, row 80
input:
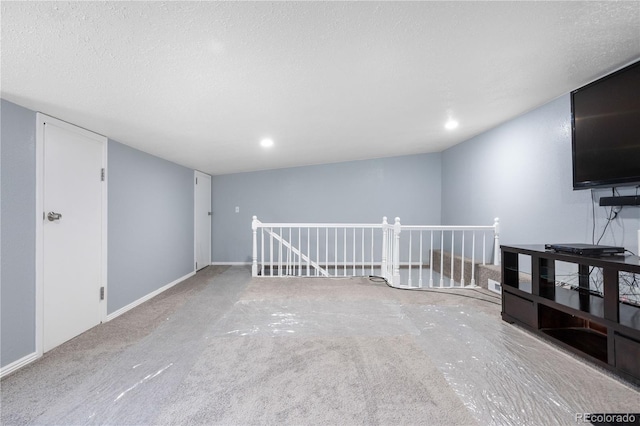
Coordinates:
column 585, row 249
column 621, row 200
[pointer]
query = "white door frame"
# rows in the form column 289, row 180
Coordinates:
column 196, row 174
column 41, row 119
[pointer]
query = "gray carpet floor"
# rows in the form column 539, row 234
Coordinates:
column 225, row 348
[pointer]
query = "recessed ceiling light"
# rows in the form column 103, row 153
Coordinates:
column 451, row 124
column 266, row 143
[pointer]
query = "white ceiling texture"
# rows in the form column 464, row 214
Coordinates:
column 201, row 83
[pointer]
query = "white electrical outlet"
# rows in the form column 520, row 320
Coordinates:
column 494, row 286
column 237, row 209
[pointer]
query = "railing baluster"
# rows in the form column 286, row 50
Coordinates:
column 473, row 258
column 280, row 254
column 372, row 271
column 363, row 261
column 420, row 275
column 300, row 250
column 389, row 256
column 262, row 252
column 344, row 253
column 391, row 251
column 335, row 256
column 462, row 263
column 326, row 248
column 317, row 249
column 452, row 259
column 271, row 251
column 484, row 245
column 441, row 258
column 410, row 249
column 296, row 251
column 289, row 255
column 354, row 252
column 431, row 261
column 308, row 251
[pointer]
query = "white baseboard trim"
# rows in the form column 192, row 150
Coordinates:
column 147, row 297
column 8, row 369
column 231, row 263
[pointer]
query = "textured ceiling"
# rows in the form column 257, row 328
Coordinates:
column 201, row 83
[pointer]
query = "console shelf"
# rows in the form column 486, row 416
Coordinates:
column 582, row 339
column 601, row 328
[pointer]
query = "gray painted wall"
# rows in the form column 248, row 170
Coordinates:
column 521, row 172
column 150, row 227
column 18, row 208
column 356, row 191
column 151, row 224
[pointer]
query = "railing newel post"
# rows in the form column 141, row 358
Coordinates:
column 254, row 263
column 385, row 243
column 496, row 241
column 397, row 228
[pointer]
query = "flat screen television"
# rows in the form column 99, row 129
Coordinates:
column 605, row 137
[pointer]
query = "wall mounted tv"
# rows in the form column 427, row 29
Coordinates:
column 605, row 119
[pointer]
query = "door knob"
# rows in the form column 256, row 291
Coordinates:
column 54, row 216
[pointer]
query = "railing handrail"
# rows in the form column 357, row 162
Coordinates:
column 446, row 227
column 318, row 225
column 373, row 225
column 390, row 254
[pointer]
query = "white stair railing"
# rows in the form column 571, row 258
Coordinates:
column 406, row 253
column 295, row 251
column 316, row 249
column 460, row 243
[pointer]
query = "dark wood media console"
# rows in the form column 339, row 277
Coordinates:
column 601, row 328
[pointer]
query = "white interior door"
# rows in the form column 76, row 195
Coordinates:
column 202, row 220
column 72, row 231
